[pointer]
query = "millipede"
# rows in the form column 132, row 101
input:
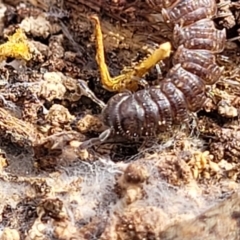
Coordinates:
column 154, row 109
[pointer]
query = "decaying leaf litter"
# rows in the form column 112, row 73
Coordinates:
column 49, row 190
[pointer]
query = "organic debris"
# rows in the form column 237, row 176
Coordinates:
column 16, row 47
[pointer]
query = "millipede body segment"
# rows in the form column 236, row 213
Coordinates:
column 150, row 111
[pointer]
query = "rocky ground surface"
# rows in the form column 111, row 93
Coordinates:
column 183, row 187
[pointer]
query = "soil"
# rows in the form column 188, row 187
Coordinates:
column 185, row 186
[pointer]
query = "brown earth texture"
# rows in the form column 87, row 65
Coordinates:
column 185, row 186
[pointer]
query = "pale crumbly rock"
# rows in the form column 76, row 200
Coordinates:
column 60, row 149
column 3, row 160
column 42, row 48
column 130, row 183
column 59, row 116
column 56, row 50
column 65, row 230
column 2, row 14
column 174, row 169
column 10, row 234
column 136, row 223
column 73, row 93
column 34, row 49
column 52, row 87
column 219, row 222
column 38, row 27
column 90, row 123
column 226, row 109
column 38, row 231
column 18, row 130
column 202, row 165
column 59, row 224
column 58, row 86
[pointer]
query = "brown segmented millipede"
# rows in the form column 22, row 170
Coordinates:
column 148, row 112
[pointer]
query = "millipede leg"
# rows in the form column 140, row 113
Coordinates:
column 128, row 80
column 223, row 4
column 195, row 131
column 85, row 90
column 96, row 141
